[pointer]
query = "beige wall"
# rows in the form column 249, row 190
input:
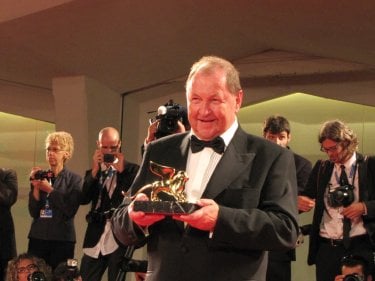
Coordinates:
column 92, row 110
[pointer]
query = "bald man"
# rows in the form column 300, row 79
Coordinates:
column 103, row 186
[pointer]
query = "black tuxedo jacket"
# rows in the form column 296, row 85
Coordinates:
column 303, row 170
column 316, row 187
column 8, row 196
column 90, row 193
column 255, row 186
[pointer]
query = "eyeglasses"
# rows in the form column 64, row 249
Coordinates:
column 329, row 149
column 53, row 149
column 111, row 148
column 27, row 269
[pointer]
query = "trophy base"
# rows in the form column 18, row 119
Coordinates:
column 165, row 207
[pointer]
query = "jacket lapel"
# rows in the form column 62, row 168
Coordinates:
column 235, row 161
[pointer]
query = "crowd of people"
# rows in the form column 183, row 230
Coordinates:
column 246, row 193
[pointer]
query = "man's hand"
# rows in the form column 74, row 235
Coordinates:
column 339, row 277
column 141, row 218
column 97, row 158
column 305, row 203
column 204, row 218
column 354, row 210
column 119, row 162
column 151, row 131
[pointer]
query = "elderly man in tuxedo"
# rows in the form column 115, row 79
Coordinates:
column 245, row 187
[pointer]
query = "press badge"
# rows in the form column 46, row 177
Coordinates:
column 46, row 212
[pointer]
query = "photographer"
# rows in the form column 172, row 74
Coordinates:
column 344, row 189
column 103, row 187
column 354, row 268
column 67, row 271
column 171, row 119
column 53, row 203
column 27, row 267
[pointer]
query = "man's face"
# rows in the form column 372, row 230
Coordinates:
column 345, row 270
column 109, row 144
column 281, row 138
column 211, row 107
column 335, row 151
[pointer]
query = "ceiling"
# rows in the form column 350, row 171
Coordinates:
column 131, row 45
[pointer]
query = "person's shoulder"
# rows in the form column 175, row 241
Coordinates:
column 70, row 173
column 300, row 159
column 370, row 159
column 257, row 143
column 8, row 172
column 130, row 166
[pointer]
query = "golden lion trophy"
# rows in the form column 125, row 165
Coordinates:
column 167, row 196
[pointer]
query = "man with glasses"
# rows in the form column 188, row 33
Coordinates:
column 354, row 268
column 103, row 186
column 344, row 189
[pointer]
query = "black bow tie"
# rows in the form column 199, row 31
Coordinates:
column 217, row 144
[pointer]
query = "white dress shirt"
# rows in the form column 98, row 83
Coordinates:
column 201, row 165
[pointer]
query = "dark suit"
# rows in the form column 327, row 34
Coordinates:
column 8, row 196
column 255, row 186
column 315, row 188
column 279, row 262
column 95, row 228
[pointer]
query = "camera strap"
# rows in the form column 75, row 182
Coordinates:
column 343, row 178
column 107, row 183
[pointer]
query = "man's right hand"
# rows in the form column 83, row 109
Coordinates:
column 141, row 218
column 96, row 160
column 339, row 277
column 305, row 203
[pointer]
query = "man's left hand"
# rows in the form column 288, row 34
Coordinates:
column 119, row 163
column 354, row 210
column 204, row 218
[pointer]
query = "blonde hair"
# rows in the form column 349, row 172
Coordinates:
column 208, row 64
column 11, row 272
column 64, row 140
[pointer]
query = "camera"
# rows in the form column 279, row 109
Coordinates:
column 341, row 196
column 353, row 277
column 67, row 271
column 169, row 114
column 99, row 217
column 36, row 276
column 109, row 158
column 72, row 263
column 44, row 174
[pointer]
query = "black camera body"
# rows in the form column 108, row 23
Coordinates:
column 44, row 174
column 341, row 196
column 168, row 116
column 353, row 277
column 36, row 276
column 109, row 158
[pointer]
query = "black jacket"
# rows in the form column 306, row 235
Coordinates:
column 90, row 193
column 316, row 186
column 8, row 196
column 64, row 202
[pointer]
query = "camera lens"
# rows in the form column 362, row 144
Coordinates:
column 108, row 158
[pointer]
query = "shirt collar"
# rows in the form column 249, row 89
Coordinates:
column 349, row 163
